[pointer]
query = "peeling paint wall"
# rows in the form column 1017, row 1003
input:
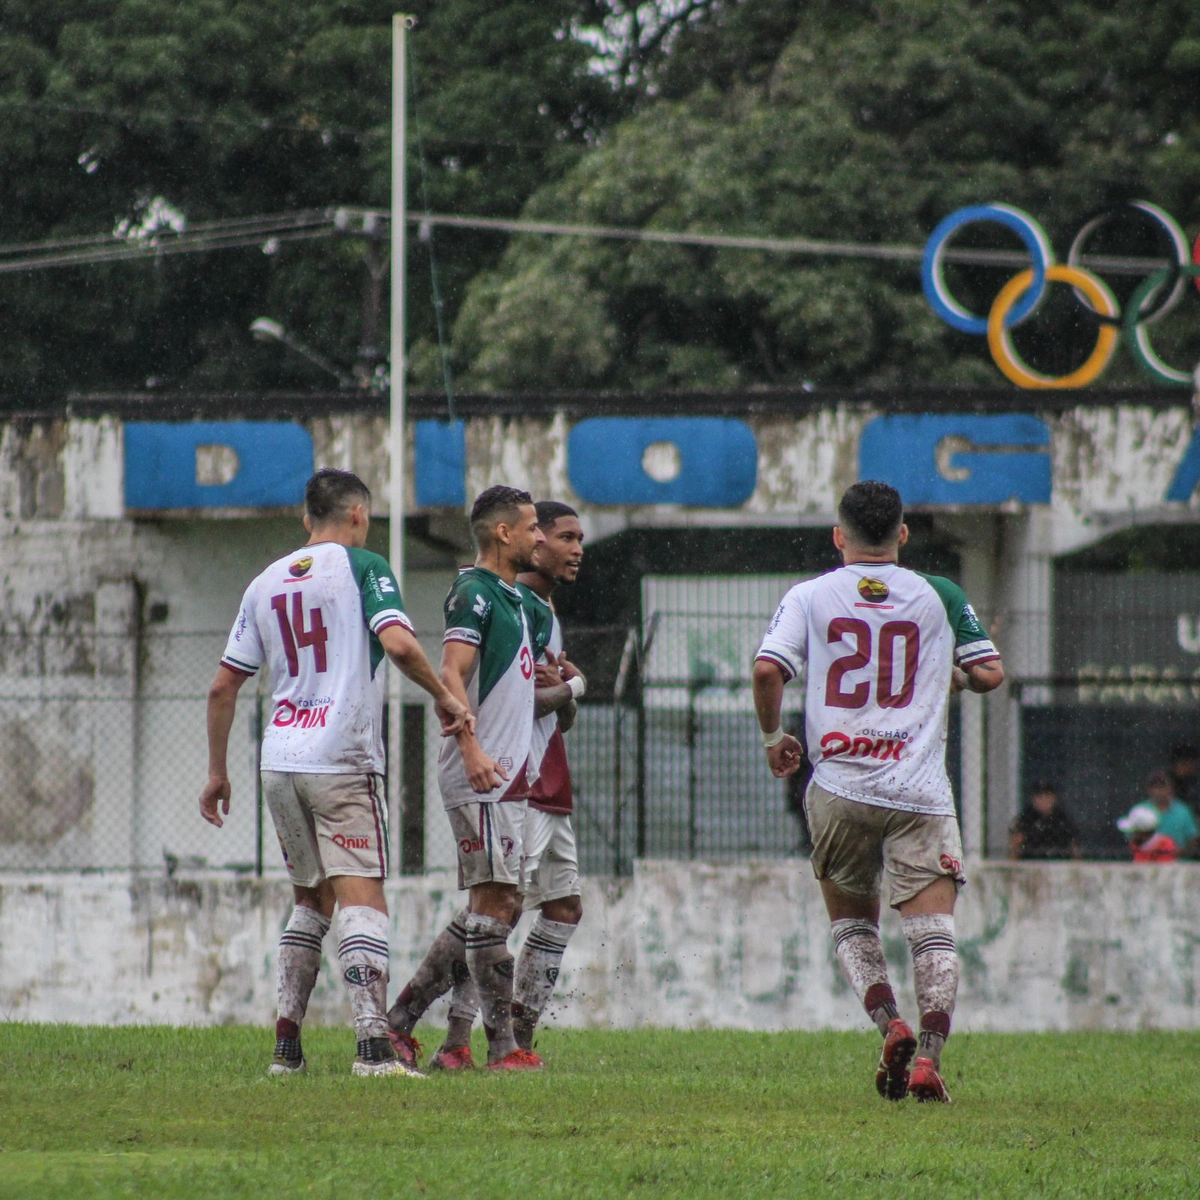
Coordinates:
column 1106, row 463
column 1043, row 946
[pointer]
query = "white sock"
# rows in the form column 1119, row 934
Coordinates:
column 299, row 961
column 491, row 967
column 538, row 966
column 860, row 952
column 935, row 973
column 363, row 957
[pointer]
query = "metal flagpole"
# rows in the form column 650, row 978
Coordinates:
column 401, row 23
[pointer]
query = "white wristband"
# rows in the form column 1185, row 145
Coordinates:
column 772, row 739
column 578, row 686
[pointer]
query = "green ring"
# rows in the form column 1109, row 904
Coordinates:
column 1138, row 339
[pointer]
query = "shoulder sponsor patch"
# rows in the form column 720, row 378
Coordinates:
column 301, row 566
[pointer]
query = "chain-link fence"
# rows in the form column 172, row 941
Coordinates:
column 103, row 745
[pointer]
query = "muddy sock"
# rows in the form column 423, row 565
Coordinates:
column 299, row 962
column 464, row 1007
column 491, row 967
column 860, row 953
column 935, row 973
column 441, row 967
column 537, row 973
column 363, row 957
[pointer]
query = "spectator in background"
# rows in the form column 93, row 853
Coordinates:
column 1174, row 819
column 1140, row 826
column 1184, row 770
column 1043, row 829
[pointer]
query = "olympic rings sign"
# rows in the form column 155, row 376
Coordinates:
column 1019, row 298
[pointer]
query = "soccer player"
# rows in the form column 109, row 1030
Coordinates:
column 493, row 637
column 551, row 867
column 321, row 620
column 884, row 646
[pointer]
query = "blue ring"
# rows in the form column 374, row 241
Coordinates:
column 1022, row 224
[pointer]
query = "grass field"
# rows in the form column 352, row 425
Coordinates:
column 88, row 1112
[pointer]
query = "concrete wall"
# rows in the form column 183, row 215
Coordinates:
column 1056, row 946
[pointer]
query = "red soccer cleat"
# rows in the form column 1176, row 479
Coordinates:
column 452, row 1058
column 407, row 1048
column 891, row 1078
column 518, row 1060
column 926, row 1084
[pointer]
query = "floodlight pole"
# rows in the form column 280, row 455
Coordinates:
column 401, row 23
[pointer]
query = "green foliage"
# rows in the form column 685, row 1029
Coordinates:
column 850, row 120
column 869, row 123
column 164, row 1112
column 225, row 108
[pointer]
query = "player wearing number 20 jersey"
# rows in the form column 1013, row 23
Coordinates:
column 879, row 642
column 313, row 618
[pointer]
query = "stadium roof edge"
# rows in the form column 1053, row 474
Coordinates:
column 162, row 405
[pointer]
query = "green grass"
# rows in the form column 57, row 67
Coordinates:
column 88, row 1112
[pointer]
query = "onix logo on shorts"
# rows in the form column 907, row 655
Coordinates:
column 351, row 843
column 470, row 845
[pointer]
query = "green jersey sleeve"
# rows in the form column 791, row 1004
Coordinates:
column 382, row 605
column 971, row 642
column 468, row 611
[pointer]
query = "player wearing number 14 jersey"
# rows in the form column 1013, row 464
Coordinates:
column 883, row 648
column 320, row 622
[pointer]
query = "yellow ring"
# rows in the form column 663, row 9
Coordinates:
column 1000, row 340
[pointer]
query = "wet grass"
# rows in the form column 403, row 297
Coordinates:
column 175, row 1112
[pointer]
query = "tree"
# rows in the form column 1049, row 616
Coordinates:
column 872, row 120
column 125, row 114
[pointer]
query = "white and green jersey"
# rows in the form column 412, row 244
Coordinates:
column 313, row 618
column 879, row 642
column 510, row 631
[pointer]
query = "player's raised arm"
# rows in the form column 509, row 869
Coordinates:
column 405, row 652
column 483, row 772
column 222, row 703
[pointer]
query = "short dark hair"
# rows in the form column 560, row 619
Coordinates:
column 548, row 511
column 493, row 505
column 330, row 495
column 1042, row 786
column 871, row 513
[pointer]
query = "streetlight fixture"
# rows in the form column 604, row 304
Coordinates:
column 266, row 330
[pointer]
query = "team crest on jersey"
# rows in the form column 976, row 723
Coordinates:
column 301, row 566
column 873, row 590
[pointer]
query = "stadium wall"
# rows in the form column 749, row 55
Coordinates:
column 1068, row 946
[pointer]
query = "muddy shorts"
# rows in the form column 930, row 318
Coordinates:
column 551, row 867
column 855, row 845
column 490, row 836
column 328, row 824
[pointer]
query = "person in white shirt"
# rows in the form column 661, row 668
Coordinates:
column 321, row 620
column 883, row 647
